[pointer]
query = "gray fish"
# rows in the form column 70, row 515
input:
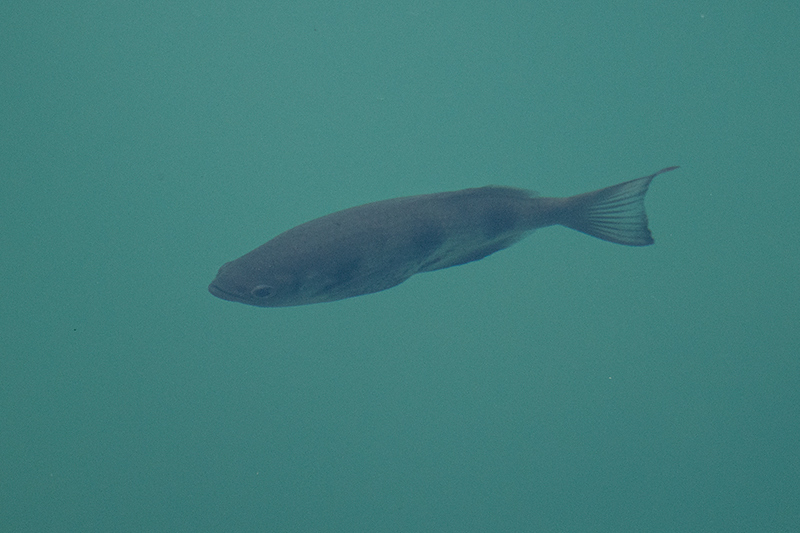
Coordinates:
column 376, row 246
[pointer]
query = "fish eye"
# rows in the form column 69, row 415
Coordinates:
column 261, row 291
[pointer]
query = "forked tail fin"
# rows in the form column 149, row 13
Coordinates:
column 614, row 214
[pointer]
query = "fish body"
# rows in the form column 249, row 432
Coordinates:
column 373, row 247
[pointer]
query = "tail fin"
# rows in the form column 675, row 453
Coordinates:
column 614, row 214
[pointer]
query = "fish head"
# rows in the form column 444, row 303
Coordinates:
column 239, row 281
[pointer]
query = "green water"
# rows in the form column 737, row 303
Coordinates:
column 564, row 384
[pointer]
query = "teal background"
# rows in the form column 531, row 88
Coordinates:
column 565, row 384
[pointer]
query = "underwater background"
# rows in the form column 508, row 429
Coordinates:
column 564, row 384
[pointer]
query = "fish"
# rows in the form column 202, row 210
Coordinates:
column 376, row 246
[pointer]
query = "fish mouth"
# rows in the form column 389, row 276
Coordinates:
column 222, row 293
